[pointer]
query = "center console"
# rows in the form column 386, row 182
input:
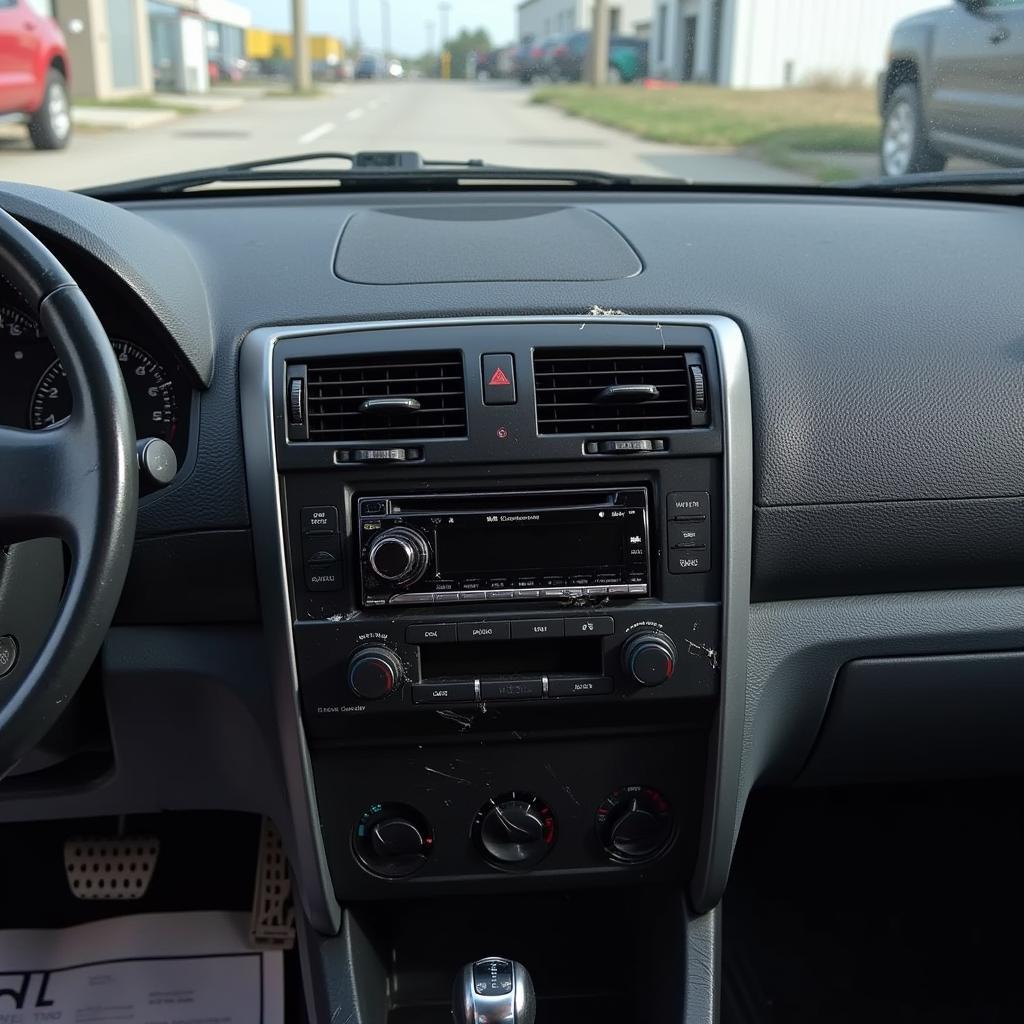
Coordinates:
column 504, row 554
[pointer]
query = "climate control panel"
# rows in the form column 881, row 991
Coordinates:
column 511, row 812
column 413, row 664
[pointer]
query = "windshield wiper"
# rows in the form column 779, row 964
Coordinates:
column 1012, row 179
column 369, row 170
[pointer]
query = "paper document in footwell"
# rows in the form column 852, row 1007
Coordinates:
column 142, row 969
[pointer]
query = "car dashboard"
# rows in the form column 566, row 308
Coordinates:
column 518, row 537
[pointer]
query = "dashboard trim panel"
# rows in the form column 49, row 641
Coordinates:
column 264, row 486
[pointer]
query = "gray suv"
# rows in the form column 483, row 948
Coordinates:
column 954, row 85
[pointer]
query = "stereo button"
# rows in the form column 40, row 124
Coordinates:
column 528, row 629
column 576, row 687
column 432, row 633
column 458, row 692
column 681, row 560
column 512, row 689
column 688, row 505
column 320, row 519
column 597, row 625
column 687, row 535
column 483, row 631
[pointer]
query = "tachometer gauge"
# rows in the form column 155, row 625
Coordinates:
column 150, row 390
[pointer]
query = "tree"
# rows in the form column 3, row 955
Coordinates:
column 465, row 43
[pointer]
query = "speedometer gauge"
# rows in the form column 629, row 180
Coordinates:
column 150, row 390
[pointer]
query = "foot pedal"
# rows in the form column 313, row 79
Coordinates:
column 273, row 917
column 110, row 867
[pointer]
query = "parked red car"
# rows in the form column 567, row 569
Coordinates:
column 34, row 73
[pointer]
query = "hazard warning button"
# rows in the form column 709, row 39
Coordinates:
column 499, row 374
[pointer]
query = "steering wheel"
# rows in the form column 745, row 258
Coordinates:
column 78, row 481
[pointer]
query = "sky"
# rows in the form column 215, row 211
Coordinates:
column 409, row 33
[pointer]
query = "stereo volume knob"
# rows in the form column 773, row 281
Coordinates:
column 374, row 672
column 649, row 658
column 399, row 555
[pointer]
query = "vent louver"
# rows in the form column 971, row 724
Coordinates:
column 584, row 391
column 396, row 396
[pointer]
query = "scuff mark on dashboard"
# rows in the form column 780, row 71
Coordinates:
column 453, row 716
column 445, row 775
column 700, row 650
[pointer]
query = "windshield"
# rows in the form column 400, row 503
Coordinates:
column 782, row 92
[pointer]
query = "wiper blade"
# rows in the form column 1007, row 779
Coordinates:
column 938, row 180
column 368, row 170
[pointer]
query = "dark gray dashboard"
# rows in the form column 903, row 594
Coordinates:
column 885, row 339
column 886, row 346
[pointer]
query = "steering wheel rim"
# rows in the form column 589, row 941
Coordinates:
column 77, row 480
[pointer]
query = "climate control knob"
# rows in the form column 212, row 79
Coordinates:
column 392, row 840
column 374, row 672
column 649, row 658
column 634, row 824
column 515, row 830
column 399, row 555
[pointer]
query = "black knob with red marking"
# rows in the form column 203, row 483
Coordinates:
column 374, row 672
column 649, row 658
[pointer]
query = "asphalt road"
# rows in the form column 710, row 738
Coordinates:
column 452, row 120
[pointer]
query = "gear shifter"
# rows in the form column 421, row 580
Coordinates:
column 494, row 991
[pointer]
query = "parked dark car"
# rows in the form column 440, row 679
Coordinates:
column 627, row 58
column 34, row 73
column 534, row 60
column 954, row 85
column 370, row 65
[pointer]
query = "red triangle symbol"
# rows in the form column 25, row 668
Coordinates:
column 498, row 379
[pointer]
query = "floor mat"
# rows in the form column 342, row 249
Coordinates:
column 876, row 903
column 185, row 968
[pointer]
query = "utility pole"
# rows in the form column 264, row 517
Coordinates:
column 385, row 27
column 599, row 43
column 353, row 11
column 302, row 77
column 446, row 58
column 443, row 9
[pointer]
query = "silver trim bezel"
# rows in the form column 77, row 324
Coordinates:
column 313, row 882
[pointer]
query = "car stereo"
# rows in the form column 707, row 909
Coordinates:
column 536, row 545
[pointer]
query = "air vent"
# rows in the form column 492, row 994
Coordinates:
column 586, row 391
column 396, row 396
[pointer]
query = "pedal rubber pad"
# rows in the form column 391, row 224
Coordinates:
column 110, row 868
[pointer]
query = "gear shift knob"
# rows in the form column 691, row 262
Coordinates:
column 494, row 991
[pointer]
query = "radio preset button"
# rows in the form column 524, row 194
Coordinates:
column 461, row 691
column 688, row 505
column 500, row 595
column 511, row 689
column 446, row 597
column 322, row 577
column 618, row 590
column 682, row 560
column 528, row 629
column 483, row 631
column 687, row 535
column 575, row 687
column 638, row 588
column 472, row 595
column 593, row 625
column 432, row 633
column 320, row 519
column 529, row 594
column 412, row 599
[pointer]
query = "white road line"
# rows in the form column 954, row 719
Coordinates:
column 353, row 114
column 317, row 133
